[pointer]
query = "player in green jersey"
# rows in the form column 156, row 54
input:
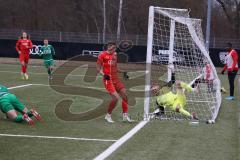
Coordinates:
column 174, row 101
column 47, row 53
column 11, row 106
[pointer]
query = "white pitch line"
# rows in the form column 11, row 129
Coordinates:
column 100, row 88
column 21, row 86
column 119, row 142
column 54, row 137
column 73, row 75
column 46, row 85
column 200, row 101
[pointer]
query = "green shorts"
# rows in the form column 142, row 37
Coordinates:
column 10, row 102
column 48, row 63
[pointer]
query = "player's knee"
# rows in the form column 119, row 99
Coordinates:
column 11, row 114
column 23, row 63
column 124, row 97
column 115, row 99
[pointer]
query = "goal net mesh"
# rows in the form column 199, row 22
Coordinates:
column 178, row 48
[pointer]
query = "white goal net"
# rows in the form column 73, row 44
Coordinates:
column 176, row 47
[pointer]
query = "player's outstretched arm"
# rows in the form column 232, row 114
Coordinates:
column 53, row 51
column 99, row 69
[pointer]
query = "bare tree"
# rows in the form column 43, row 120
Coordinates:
column 102, row 16
column 231, row 8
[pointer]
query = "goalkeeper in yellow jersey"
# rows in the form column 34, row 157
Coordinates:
column 174, row 101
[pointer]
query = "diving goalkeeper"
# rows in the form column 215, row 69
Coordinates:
column 10, row 105
column 174, row 101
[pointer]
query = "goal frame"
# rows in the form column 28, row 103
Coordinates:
column 194, row 36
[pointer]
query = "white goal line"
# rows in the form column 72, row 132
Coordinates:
column 55, row 137
column 121, row 141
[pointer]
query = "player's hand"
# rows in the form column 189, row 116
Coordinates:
column 125, row 76
column 19, row 52
column 222, row 72
column 197, row 89
column 106, row 77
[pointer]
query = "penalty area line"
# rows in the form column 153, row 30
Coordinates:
column 21, row 86
column 55, row 137
column 121, row 141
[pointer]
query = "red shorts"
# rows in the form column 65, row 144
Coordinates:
column 113, row 85
column 24, row 57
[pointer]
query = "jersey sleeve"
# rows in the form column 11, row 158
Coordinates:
column 3, row 89
column 187, row 87
column 41, row 51
column 100, row 59
column 235, row 59
column 30, row 44
column 17, row 46
column 52, row 50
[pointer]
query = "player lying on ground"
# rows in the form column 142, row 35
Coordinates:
column 10, row 105
column 47, row 53
column 174, row 101
column 107, row 66
column 23, row 46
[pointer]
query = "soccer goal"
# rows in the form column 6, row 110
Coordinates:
column 176, row 46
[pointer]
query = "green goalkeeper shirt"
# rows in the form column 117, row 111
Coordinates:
column 3, row 91
column 170, row 99
column 47, row 52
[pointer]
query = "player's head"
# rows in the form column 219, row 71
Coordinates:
column 24, row 35
column 111, row 47
column 178, row 84
column 229, row 47
column 45, row 41
column 155, row 89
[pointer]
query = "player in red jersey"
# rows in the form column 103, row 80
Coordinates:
column 23, row 46
column 107, row 66
column 232, row 67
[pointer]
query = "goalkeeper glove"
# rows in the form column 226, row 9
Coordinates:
column 106, row 77
column 125, row 76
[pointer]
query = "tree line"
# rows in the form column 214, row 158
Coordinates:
column 87, row 15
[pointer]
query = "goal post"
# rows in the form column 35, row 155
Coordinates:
column 148, row 63
column 171, row 49
column 175, row 44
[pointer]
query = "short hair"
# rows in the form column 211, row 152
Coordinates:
column 111, row 43
column 28, row 36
